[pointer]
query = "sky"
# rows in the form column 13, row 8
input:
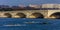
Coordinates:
column 27, row 2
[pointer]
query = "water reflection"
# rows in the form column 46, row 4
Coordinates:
column 15, row 25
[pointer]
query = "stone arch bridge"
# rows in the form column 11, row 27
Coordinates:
column 28, row 13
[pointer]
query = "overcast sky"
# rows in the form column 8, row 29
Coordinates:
column 26, row 2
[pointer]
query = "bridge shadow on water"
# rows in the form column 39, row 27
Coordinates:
column 29, row 24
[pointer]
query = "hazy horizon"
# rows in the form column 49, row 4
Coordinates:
column 27, row 2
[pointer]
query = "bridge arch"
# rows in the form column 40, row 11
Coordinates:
column 20, row 15
column 55, row 15
column 8, row 15
column 36, row 15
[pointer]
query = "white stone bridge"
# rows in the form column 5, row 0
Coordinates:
column 29, row 13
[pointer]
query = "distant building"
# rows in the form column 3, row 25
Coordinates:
column 4, row 6
column 35, row 6
column 50, row 5
column 22, row 6
column 47, row 5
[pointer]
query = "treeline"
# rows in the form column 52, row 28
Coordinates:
column 20, row 8
column 25, row 8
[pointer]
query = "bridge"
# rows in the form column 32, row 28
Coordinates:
column 30, row 14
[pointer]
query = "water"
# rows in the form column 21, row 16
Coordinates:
column 29, row 24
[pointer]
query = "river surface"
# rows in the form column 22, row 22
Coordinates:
column 29, row 24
